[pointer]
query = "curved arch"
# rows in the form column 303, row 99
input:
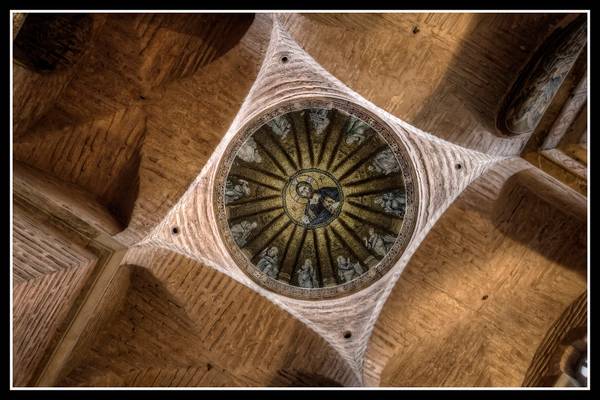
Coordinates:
column 549, row 359
column 116, row 121
column 179, row 323
column 126, row 57
column 443, row 73
column 485, row 290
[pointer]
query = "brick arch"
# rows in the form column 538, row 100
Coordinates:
column 170, row 321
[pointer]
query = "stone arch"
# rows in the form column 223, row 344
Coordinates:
column 109, row 118
column 481, row 299
column 170, row 321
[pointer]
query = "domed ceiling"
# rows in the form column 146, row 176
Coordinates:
column 315, row 199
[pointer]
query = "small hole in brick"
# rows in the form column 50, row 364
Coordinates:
column 347, row 335
column 284, row 59
column 416, row 29
column 458, row 166
column 484, row 297
column 209, row 366
column 175, row 230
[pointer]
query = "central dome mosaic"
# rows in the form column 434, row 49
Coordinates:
column 315, row 199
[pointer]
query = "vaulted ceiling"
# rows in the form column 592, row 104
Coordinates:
column 122, row 275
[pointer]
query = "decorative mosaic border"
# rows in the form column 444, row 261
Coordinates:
column 374, row 273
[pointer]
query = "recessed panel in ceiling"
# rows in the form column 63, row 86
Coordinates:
column 315, row 198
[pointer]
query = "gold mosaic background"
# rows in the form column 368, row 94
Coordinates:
column 314, row 198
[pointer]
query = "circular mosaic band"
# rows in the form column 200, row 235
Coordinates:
column 315, row 198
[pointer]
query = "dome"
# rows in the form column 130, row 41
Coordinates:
column 315, row 199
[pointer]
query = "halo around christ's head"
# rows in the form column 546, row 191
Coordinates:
column 315, row 198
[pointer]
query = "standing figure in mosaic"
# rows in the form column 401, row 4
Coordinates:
column 268, row 262
column 235, row 191
column 241, row 232
column 280, row 126
column 306, row 275
column 393, row 202
column 347, row 270
column 248, row 151
column 319, row 121
column 356, row 131
column 379, row 243
column 385, row 163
